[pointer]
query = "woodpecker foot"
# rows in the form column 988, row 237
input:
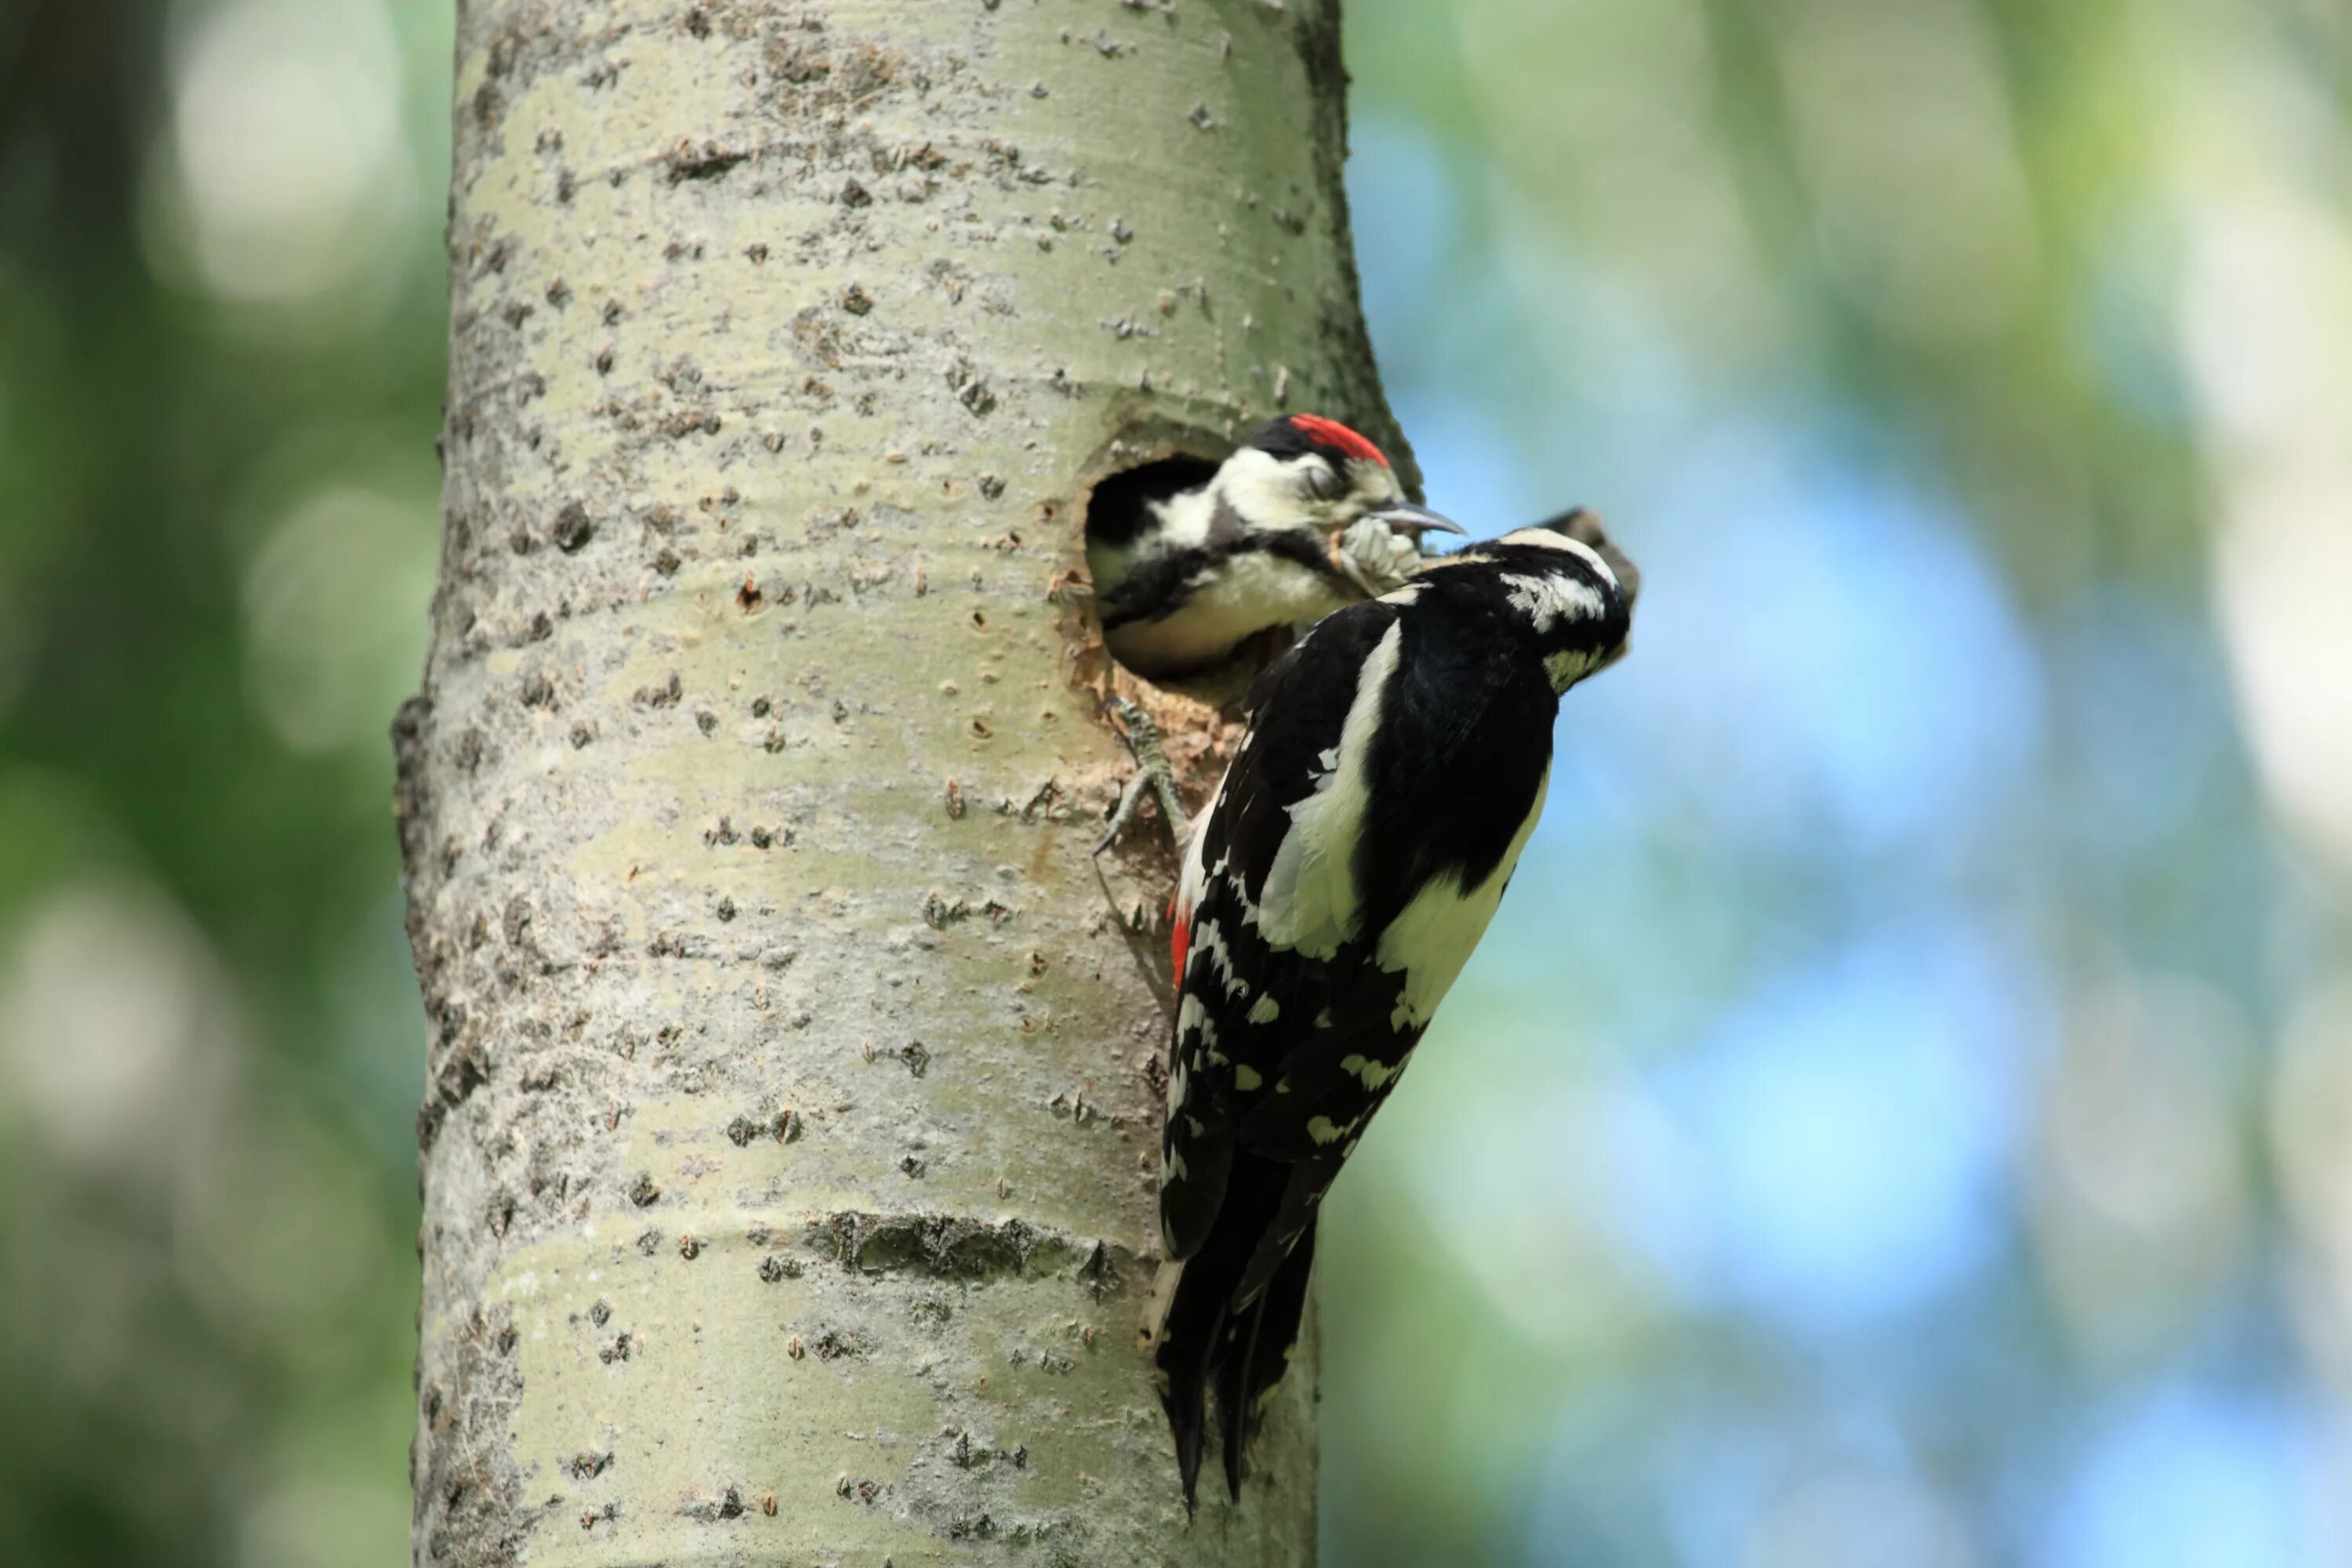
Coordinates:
column 1153, row 773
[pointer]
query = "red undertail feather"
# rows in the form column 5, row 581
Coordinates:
column 1180, row 936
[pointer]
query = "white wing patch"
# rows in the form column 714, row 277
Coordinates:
column 1308, row 901
column 1432, row 938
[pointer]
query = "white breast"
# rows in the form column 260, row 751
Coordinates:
column 1247, row 592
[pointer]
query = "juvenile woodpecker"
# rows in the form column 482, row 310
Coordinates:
column 1393, row 768
column 1195, row 568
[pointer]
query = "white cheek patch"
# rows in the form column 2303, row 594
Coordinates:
column 1545, row 539
column 1258, row 487
column 1548, row 600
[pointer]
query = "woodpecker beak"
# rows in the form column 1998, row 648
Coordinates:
column 1406, row 517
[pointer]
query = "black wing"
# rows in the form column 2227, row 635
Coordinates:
column 1242, row 1004
column 1261, row 1036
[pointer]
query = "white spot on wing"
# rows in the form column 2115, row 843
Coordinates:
column 1208, row 944
column 1192, row 1019
column 1265, row 1010
column 1247, row 1078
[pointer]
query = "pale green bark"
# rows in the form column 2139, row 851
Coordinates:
column 754, row 781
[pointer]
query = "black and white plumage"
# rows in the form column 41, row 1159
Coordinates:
column 1393, row 769
column 1201, row 570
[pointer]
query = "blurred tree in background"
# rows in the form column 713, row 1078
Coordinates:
column 1903, row 1113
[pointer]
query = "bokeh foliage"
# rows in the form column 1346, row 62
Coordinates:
column 1903, row 1113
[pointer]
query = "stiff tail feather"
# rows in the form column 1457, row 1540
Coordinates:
column 1191, row 1330
column 1204, row 1338
column 1258, row 1353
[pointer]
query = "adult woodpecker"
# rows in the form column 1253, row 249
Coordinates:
column 1197, row 568
column 1393, row 768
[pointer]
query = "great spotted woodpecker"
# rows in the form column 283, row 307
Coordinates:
column 1393, row 768
column 1197, row 568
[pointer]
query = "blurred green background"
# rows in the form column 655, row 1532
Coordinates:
column 1903, row 1113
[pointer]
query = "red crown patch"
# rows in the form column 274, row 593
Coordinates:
column 1331, row 432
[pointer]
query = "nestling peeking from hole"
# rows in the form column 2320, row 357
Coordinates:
column 1205, row 571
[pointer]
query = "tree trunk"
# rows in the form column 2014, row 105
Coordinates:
column 790, row 1141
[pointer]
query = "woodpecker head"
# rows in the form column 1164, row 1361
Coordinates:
column 1583, row 526
column 1201, row 573
column 1568, row 589
column 1304, row 473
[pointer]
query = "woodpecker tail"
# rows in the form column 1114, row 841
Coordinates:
column 1257, row 1353
column 1183, row 1379
column 1206, row 1337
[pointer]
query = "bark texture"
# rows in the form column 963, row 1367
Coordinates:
column 789, row 1145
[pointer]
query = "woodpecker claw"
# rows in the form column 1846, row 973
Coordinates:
column 1153, row 772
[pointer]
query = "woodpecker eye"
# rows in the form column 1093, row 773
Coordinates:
column 1321, row 484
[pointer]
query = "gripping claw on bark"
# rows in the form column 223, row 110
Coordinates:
column 1153, row 773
